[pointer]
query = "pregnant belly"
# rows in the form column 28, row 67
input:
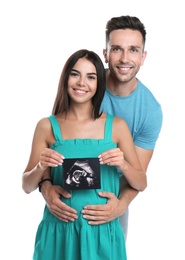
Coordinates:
column 80, row 198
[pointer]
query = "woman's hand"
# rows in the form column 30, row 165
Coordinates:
column 113, row 157
column 50, row 158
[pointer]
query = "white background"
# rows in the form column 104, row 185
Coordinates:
column 36, row 38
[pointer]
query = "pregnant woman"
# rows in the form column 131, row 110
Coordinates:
column 77, row 130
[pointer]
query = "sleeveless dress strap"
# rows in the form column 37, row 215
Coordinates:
column 55, row 127
column 108, row 127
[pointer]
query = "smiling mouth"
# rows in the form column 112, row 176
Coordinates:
column 124, row 68
column 80, row 91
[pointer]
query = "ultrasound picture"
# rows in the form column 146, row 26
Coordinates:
column 81, row 173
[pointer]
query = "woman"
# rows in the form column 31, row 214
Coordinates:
column 77, row 130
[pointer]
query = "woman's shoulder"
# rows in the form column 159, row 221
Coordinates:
column 120, row 130
column 43, row 124
column 119, row 124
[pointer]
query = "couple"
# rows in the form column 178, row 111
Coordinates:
column 77, row 106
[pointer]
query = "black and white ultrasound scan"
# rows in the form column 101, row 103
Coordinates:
column 81, row 173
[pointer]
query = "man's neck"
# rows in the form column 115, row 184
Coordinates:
column 118, row 88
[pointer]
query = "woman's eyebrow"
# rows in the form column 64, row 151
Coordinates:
column 89, row 73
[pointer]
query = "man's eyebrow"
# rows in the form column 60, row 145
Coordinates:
column 113, row 46
column 135, row 46
column 131, row 46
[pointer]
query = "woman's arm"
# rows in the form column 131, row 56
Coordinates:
column 41, row 156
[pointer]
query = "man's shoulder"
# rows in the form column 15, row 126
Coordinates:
column 147, row 94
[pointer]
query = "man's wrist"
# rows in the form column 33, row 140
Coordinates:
column 41, row 182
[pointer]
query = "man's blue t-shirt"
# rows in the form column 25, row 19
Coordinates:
column 140, row 110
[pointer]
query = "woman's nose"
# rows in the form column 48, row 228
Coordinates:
column 81, row 82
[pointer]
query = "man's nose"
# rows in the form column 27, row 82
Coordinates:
column 123, row 56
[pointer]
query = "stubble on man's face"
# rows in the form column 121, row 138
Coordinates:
column 124, row 55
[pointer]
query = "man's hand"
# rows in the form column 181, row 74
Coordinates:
column 51, row 194
column 100, row 214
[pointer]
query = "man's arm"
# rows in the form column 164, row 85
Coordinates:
column 115, row 207
column 51, row 194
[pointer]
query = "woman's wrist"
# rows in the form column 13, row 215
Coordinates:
column 40, row 167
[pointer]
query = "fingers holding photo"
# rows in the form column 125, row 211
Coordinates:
column 112, row 157
column 50, row 158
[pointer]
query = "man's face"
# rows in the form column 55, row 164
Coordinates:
column 124, row 54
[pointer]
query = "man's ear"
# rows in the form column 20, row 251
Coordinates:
column 105, row 55
column 143, row 57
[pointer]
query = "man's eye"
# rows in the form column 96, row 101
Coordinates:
column 134, row 50
column 116, row 49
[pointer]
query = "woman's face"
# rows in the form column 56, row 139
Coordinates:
column 82, row 82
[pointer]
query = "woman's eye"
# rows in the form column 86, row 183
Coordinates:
column 91, row 77
column 74, row 74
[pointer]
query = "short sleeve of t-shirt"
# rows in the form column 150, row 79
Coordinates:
column 141, row 111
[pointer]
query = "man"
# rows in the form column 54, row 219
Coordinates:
column 125, row 97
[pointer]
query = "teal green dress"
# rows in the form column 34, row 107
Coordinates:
column 58, row 240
